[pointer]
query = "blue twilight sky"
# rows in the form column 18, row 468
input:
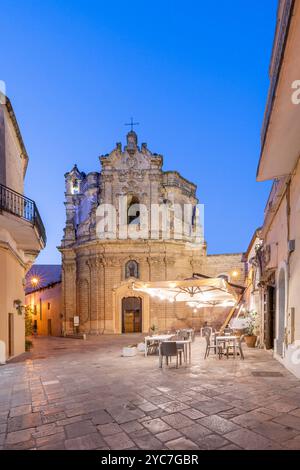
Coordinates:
column 193, row 73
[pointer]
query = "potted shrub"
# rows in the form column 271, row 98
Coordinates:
column 250, row 330
column 28, row 345
column 239, row 326
column 28, row 328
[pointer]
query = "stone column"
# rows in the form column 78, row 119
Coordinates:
column 169, row 307
column 95, row 265
column 69, row 293
column 157, row 273
column 112, row 277
column 101, row 294
column 144, row 269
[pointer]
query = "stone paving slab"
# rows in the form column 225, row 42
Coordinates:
column 73, row 394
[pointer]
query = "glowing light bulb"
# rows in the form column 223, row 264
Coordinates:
column 34, row 281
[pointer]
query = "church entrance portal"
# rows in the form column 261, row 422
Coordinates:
column 132, row 315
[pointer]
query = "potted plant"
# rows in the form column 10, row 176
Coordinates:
column 28, row 344
column 28, row 328
column 250, row 330
column 153, row 329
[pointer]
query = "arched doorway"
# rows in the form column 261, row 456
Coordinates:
column 132, row 315
column 281, row 313
column 269, row 316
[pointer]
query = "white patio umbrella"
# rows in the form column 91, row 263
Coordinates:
column 196, row 293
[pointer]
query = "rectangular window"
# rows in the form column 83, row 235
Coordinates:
column 41, row 313
column 49, row 305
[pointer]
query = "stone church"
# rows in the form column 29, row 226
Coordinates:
column 101, row 260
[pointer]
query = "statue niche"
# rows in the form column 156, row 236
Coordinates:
column 131, row 269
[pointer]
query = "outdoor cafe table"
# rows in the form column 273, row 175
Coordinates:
column 158, row 338
column 187, row 352
column 227, row 339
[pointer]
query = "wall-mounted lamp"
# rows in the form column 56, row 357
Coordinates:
column 18, row 305
column 34, row 281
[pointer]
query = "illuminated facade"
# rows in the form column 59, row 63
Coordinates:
column 43, row 296
column 99, row 265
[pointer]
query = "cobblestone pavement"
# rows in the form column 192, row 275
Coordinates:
column 74, row 394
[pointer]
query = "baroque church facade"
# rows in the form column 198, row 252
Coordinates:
column 99, row 265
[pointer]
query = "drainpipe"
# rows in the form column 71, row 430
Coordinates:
column 288, row 223
column 104, row 300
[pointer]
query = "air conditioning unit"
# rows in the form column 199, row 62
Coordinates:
column 292, row 246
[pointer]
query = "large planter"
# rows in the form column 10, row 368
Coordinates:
column 129, row 351
column 251, row 341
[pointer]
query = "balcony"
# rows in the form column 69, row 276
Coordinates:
column 21, row 219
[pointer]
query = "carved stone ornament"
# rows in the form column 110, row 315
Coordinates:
column 267, row 254
column 170, row 262
column 131, row 162
column 107, row 178
column 153, row 260
column 154, row 178
column 113, row 262
column 69, row 267
column 96, row 262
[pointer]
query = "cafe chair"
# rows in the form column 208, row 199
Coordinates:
column 209, row 345
column 228, row 331
column 169, row 350
column 153, row 348
column 236, row 348
column 206, row 330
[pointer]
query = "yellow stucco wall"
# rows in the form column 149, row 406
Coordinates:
column 284, row 227
column 46, row 303
column 294, row 265
column 11, row 288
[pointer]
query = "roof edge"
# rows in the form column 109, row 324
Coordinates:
column 12, row 115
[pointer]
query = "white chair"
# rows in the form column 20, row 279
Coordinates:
column 236, row 347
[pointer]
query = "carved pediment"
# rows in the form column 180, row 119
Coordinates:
column 137, row 175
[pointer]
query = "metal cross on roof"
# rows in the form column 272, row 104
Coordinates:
column 132, row 124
